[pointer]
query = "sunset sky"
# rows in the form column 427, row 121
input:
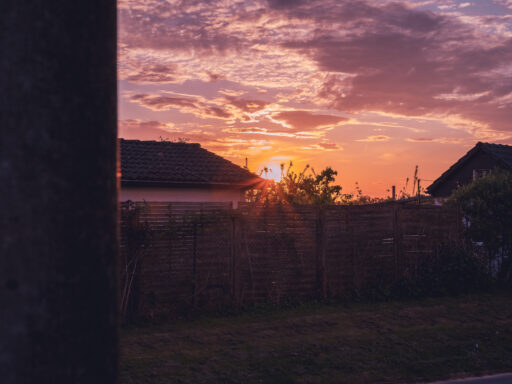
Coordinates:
column 371, row 88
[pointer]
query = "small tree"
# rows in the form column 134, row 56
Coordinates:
column 487, row 206
column 305, row 187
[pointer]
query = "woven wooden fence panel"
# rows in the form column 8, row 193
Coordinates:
column 208, row 256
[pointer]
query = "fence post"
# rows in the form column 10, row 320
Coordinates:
column 419, row 191
column 130, row 265
column 356, row 271
column 235, row 260
column 397, row 240
column 194, row 264
column 321, row 273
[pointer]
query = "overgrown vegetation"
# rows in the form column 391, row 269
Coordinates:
column 487, row 208
column 304, row 187
column 416, row 188
column 351, row 343
column 310, row 187
column 453, row 271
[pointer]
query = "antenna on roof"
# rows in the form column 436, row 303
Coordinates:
column 246, row 163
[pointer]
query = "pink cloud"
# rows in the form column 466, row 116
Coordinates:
column 246, row 105
column 445, row 76
column 215, row 76
column 401, row 60
column 304, row 120
column 442, row 140
column 157, row 73
column 145, row 130
column 181, row 26
column 229, row 107
column 377, row 56
column 185, row 104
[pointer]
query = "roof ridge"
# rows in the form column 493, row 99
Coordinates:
column 485, row 147
column 229, row 161
column 496, row 144
column 161, row 142
column 454, row 166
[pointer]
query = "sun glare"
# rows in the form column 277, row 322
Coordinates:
column 272, row 171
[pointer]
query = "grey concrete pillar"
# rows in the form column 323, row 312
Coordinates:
column 58, row 243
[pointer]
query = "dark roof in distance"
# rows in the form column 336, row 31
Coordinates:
column 501, row 153
column 179, row 164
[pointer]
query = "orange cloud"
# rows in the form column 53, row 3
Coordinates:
column 375, row 138
column 330, row 146
column 442, row 140
column 322, row 147
column 258, row 131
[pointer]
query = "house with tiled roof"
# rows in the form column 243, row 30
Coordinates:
column 181, row 172
column 483, row 158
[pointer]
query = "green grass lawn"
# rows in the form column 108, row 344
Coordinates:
column 345, row 343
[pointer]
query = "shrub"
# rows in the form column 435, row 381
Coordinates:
column 455, row 271
column 487, row 208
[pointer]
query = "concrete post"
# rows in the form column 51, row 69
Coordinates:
column 58, row 240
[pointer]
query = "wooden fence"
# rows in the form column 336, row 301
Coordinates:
column 206, row 256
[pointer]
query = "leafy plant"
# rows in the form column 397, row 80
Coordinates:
column 404, row 193
column 359, row 198
column 304, row 187
column 455, row 271
column 486, row 204
column 309, row 187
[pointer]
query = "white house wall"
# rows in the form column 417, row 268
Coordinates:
column 181, row 194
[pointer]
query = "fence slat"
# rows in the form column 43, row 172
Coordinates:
column 209, row 256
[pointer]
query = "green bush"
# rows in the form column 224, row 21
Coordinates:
column 455, row 271
column 486, row 205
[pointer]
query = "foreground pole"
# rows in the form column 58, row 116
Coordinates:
column 58, row 243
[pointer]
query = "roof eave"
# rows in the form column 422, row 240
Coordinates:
column 190, row 184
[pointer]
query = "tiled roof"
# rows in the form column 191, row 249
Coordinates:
column 499, row 152
column 169, row 163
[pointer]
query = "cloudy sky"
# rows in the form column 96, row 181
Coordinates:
column 371, row 88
